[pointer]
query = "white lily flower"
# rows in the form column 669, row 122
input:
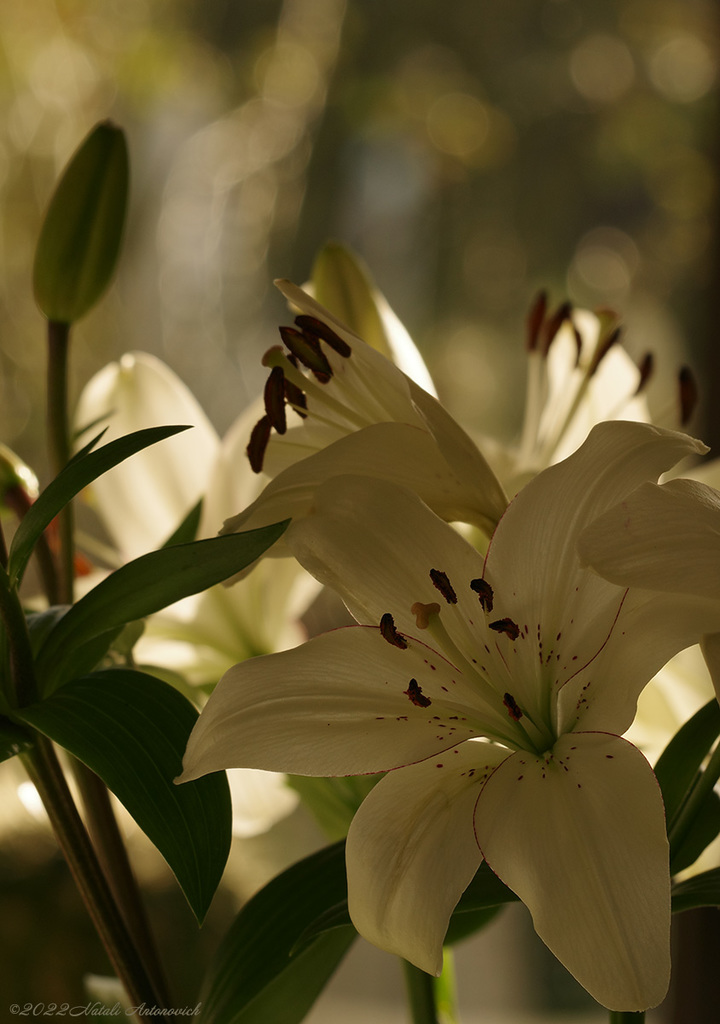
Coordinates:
column 352, row 408
column 143, row 500
column 578, row 375
column 495, row 694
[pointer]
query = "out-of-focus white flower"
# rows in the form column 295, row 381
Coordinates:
column 578, row 375
column 141, row 503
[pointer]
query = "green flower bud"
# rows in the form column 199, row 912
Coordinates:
column 342, row 283
column 81, row 235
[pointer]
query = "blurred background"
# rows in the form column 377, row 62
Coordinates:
column 471, row 152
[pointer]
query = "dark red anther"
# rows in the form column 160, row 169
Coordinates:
column 688, row 394
column 484, row 592
column 535, row 319
column 512, row 706
column 389, row 632
column 258, row 443
column 443, row 584
column 603, row 347
column 553, row 324
column 646, row 366
column 506, row 626
column 308, row 351
column 310, row 325
column 274, row 396
column 296, row 398
column 416, row 696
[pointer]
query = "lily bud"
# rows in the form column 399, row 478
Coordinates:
column 80, row 238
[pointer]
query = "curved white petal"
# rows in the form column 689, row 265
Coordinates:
column 259, row 800
column 398, row 452
column 535, row 548
column 579, row 835
column 649, row 630
column 342, row 704
column 662, row 537
column 411, row 852
column 342, row 283
column 532, row 559
column 144, row 499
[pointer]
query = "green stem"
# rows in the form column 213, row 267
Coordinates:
column 704, row 784
column 420, row 988
column 45, row 772
column 96, row 800
column 108, row 842
column 627, row 1016
column 59, row 446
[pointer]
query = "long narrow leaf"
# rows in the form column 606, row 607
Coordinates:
column 679, row 762
column 144, row 586
column 256, row 977
column 700, row 891
column 131, row 729
column 78, row 473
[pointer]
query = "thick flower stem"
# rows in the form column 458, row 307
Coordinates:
column 627, row 1017
column 420, row 988
column 45, row 772
column 112, row 855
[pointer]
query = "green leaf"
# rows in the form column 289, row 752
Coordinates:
column 131, row 729
column 85, row 467
column 678, row 764
column 80, row 238
column 478, row 905
column 186, row 530
column 13, row 739
column 144, row 586
column 704, row 828
column 701, row 890
column 256, row 978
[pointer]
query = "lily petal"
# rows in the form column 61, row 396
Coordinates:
column 411, row 852
column 144, row 499
column 580, row 837
column 662, row 537
column 342, row 704
column 399, row 452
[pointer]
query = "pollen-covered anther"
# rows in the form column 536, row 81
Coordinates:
column 443, row 584
column 258, row 443
column 389, row 632
column 310, row 325
column 484, row 592
column 506, row 626
column 512, row 706
column 274, row 398
column 308, row 351
column 416, row 696
column 424, row 612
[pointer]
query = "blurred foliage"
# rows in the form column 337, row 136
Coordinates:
column 471, row 152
